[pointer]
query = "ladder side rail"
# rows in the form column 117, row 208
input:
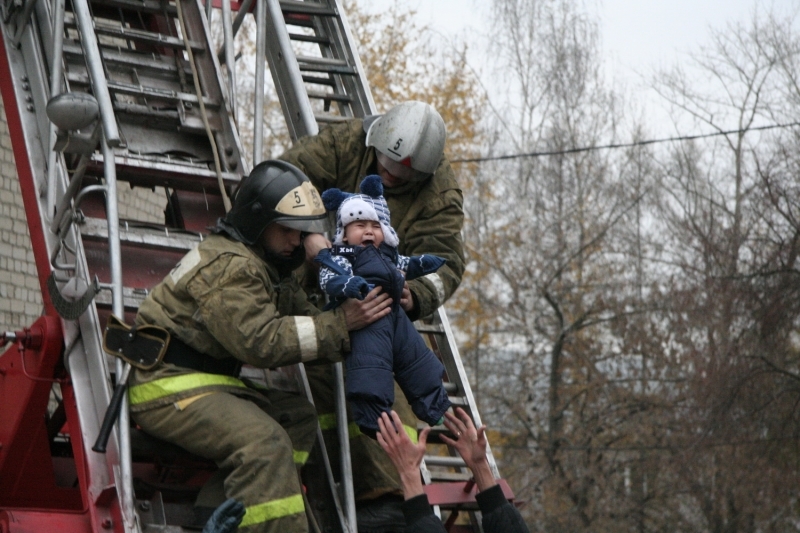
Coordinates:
column 212, row 84
column 241, row 13
column 455, row 367
column 300, row 121
column 44, row 21
column 344, row 444
column 56, row 40
column 261, row 53
column 34, row 82
column 24, row 19
column 125, row 481
column 343, row 42
column 26, row 74
column 326, row 27
column 109, row 139
column 286, row 76
column 56, row 72
column 94, row 64
column 323, row 451
column 230, row 62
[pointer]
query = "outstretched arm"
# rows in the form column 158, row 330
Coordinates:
column 419, row 265
column 404, row 454
column 471, row 445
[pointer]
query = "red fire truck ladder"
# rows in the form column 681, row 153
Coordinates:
column 105, row 92
column 100, row 94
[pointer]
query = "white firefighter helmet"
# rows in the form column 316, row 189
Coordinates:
column 409, row 140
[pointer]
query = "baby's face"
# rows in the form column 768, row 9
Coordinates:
column 363, row 233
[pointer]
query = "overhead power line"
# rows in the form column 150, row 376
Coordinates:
column 621, row 145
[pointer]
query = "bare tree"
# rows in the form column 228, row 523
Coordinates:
column 552, row 239
column 727, row 221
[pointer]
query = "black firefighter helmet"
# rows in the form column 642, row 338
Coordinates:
column 275, row 191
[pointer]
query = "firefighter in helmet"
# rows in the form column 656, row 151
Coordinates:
column 405, row 147
column 231, row 300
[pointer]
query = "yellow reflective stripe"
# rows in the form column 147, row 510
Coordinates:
column 412, row 433
column 264, row 512
column 300, row 458
column 160, row 388
column 353, row 431
column 328, row 421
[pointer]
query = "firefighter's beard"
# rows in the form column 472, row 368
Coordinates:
column 285, row 264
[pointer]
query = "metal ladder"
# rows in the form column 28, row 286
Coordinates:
column 311, row 81
column 152, row 132
column 143, row 62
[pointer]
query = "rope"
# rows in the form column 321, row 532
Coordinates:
column 203, row 114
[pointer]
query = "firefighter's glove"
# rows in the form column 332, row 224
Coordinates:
column 226, row 517
column 419, row 265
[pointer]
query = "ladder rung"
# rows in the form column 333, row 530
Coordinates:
column 155, row 117
column 303, row 21
column 306, row 8
column 442, row 476
column 324, row 64
column 146, row 6
column 319, row 95
column 131, row 298
column 429, row 328
column 160, row 171
column 459, row 401
column 132, row 34
column 436, row 460
column 134, row 60
column 309, row 38
column 319, row 81
column 330, row 119
column 154, row 92
column 145, row 92
column 145, row 234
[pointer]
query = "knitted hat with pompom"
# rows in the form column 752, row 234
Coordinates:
column 369, row 205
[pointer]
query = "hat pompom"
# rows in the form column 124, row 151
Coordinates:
column 372, row 186
column 333, row 198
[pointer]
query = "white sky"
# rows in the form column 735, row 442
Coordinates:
column 637, row 36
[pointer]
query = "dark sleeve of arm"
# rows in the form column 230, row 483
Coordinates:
column 419, row 516
column 498, row 514
column 437, row 231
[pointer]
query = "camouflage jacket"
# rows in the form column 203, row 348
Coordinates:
column 428, row 216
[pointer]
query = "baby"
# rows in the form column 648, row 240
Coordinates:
column 365, row 255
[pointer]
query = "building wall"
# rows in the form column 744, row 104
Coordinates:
column 20, row 295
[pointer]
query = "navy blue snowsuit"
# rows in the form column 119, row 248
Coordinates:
column 390, row 348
